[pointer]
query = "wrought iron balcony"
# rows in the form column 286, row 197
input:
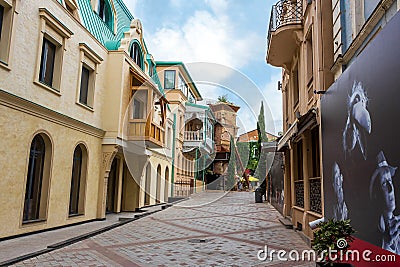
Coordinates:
column 286, row 17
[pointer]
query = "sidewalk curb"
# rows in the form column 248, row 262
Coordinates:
column 75, row 239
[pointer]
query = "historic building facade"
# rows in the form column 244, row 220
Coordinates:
column 300, row 41
column 84, row 113
column 190, row 127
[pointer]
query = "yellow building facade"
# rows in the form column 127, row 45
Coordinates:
column 83, row 115
column 300, row 41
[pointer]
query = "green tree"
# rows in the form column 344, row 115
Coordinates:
column 261, row 170
column 223, row 98
column 230, row 179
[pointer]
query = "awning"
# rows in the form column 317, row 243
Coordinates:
column 292, row 131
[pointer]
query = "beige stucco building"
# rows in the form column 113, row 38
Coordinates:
column 300, row 41
column 84, row 116
column 192, row 131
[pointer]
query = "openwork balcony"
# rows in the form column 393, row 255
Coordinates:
column 286, row 19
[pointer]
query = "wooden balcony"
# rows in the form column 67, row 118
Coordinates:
column 285, row 21
column 144, row 130
column 147, row 113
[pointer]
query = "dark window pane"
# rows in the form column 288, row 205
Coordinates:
column 83, row 96
column 100, row 9
column 169, row 79
column 34, row 179
column 75, row 181
column 136, row 55
column 137, row 108
column 47, row 62
column 1, row 19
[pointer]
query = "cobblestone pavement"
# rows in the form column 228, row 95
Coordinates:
column 231, row 229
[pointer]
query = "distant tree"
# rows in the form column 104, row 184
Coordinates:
column 231, row 172
column 223, row 98
column 261, row 170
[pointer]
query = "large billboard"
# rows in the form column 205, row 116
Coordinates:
column 361, row 142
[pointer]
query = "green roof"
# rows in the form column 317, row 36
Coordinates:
column 180, row 63
column 196, row 105
column 99, row 29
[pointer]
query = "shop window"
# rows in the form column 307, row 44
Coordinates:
column 37, row 182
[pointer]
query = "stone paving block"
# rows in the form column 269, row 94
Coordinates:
column 231, row 230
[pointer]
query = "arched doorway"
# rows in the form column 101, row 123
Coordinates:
column 166, row 187
column 158, row 188
column 112, row 187
column 147, row 185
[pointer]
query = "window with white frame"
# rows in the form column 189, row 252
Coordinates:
column 53, row 35
column 88, row 65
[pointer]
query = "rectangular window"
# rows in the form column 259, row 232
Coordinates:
column 310, row 64
column 1, row 19
column 181, row 84
column 47, row 62
column 140, row 104
column 83, row 95
column 192, row 99
column 299, row 160
column 315, row 152
column 169, row 136
column 295, row 86
column 169, row 79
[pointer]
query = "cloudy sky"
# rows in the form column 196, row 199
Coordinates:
column 231, row 33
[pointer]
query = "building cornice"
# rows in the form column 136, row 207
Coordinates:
column 17, row 103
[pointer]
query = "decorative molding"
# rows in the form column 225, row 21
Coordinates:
column 17, row 103
column 55, row 23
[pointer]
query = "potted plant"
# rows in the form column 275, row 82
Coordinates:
column 331, row 241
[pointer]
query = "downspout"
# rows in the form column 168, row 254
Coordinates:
column 173, row 156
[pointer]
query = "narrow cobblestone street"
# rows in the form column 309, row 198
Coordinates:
column 231, row 230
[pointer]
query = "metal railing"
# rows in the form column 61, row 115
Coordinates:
column 283, row 13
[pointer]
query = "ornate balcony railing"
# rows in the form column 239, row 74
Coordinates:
column 315, row 195
column 299, row 193
column 193, row 136
column 283, row 13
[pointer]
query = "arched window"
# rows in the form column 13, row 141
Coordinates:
column 136, row 54
column 35, row 191
column 105, row 13
column 78, row 181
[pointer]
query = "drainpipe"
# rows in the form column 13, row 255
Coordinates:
column 173, row 156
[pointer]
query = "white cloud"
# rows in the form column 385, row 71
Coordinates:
column 204, row 37
column 274, row 101
column 217, row 6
